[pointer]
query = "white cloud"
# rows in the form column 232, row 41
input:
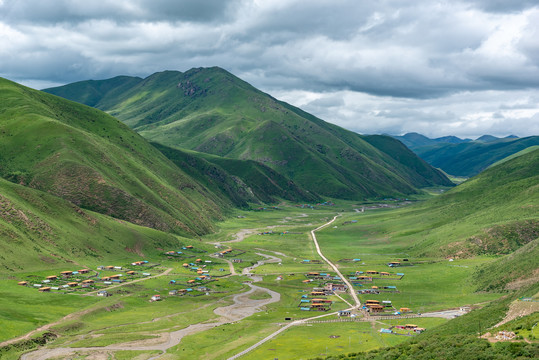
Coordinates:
column 388, row 66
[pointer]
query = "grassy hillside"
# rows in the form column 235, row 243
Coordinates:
column 517, row 154
column 39, row 230
column 243, row 181
column 92, row 160
column 469, row 159
column 210, row 110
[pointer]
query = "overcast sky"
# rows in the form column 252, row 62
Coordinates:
column 464, row 68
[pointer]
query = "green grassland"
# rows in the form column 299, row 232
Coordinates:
column 421, row 232
column 431, row 284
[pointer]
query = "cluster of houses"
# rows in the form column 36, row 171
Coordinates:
column 315, row 301
column 384, row 307
column 60, row 282
column 176, row 253
column 82, row 278
column 407, row 328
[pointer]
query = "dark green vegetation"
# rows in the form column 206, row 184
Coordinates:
column 211, row 111
column 465, row 157
column 97, row 163
column 242, row 181
column 455, row 347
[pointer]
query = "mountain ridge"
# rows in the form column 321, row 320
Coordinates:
column 210, row 110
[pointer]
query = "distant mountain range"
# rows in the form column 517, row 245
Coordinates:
column 210, row 111
column 466, row 157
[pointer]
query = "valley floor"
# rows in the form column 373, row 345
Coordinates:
column 255, row 285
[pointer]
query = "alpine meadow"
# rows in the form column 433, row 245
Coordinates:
column 321, row 181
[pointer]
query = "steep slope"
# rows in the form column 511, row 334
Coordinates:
column 89, row 158
column 39, row 230
column 469, row 159
column 243, row 181
column 494, row 213
column 210, row 110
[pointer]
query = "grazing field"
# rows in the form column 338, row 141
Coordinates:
column 356, row 242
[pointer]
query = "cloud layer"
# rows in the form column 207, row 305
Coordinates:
column 448, row 67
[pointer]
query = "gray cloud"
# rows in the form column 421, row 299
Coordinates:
column 320, row 54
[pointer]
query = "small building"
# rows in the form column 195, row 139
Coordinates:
column 117, row 276
column 345, row 313
column 405, row 310
column 190, row 281
column 386, row 303
column 198, row 260
column 383, row 273
column 372, row 302
column 189, row 246
column 110, row 267
column 237, row 260
column 103, row 293
column 155, row 298
column 131, row 272
column 105, row 278
column 394, row 264
column 376, row 308
column 44, row 289
column 386, row 331
column 88, row 281
column 170, row 253
column 66, row 273
column 117, row 268
column 22, row 283
column 306, row 281
column 173, row 292
column 52, row 277
column 185, row 265
column 72, row 284
column 336, row 287
column 371, row 272
column 146, row 274
column 84, row 271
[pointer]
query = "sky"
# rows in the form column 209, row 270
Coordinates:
column 463, row 68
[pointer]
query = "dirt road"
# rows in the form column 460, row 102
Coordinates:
column 242, row 307
column 333, row 266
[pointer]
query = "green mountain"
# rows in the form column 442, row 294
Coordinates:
column 469, row 159
column 465, row 158
column 211, row 111
column 97, row 163
column 415, row 140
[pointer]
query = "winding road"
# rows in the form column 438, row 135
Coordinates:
column 242, row 307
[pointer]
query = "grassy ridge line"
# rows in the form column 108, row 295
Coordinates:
column 96, row 162
column 210, row 110
column 469, row 159
column 521, row 152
